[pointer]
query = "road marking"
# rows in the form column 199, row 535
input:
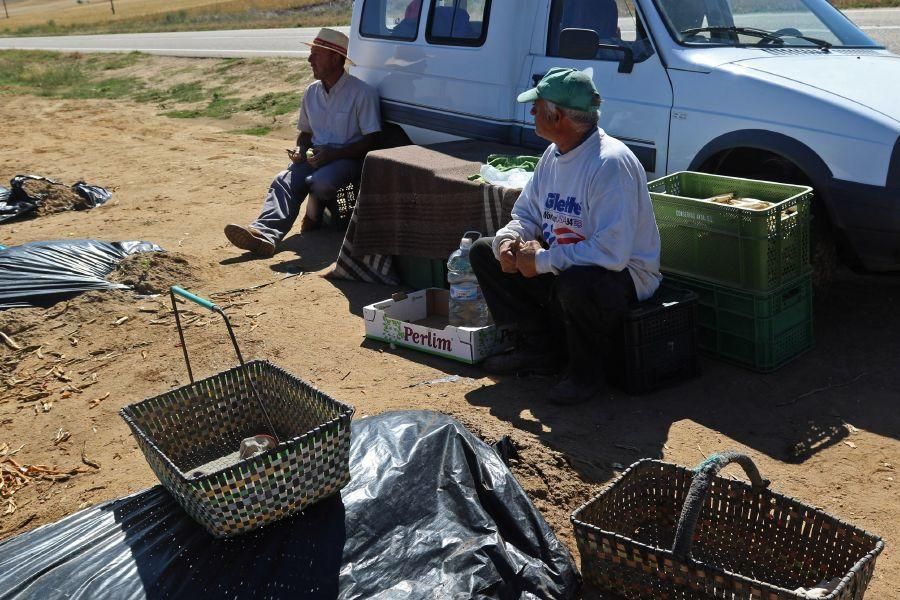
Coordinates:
column 83, row 49
column 869, row 11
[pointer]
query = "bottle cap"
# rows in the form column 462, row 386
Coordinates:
column 468, row 239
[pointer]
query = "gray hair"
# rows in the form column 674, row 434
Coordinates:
column 583, row 120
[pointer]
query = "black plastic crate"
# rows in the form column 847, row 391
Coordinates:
column 340, row 210
column 758, row 331
column 660, row 340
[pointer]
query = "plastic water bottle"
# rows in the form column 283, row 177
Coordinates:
column 467, row 306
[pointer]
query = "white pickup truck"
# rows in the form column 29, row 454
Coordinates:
column 784, row 90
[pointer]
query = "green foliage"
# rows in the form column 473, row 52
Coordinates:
column 186, row 92
column 183, row 114
column 220, row 107
column 229, row 63
column 67, row 75
column 113, row 88
column 173, row 18
column 272, row 104
column 151, row 95
column 260, row 131
column 120, row 61
column 199, row 95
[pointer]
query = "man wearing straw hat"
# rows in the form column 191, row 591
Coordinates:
column 338, row 124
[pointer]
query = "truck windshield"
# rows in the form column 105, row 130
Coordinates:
column 763, row 23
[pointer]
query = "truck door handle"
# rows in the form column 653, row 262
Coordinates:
column 536, row 78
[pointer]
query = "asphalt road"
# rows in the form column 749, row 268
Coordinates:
column 882, row 24
column 221, row 44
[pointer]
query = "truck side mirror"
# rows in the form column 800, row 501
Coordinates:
column 582, row 44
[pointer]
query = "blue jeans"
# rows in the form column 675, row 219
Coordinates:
column 291, row 186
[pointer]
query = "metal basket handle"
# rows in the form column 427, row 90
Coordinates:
column 704, row 475
column 178, row 291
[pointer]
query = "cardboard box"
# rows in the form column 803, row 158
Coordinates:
column 418, row 320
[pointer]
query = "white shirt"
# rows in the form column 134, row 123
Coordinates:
column 590, row 206
column 342, row 115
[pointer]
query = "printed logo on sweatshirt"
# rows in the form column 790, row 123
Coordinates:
column 556, row 203
column 563, row 221
column 560, row 235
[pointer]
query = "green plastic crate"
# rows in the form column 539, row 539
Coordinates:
column 756, row 250
column 762, row 332
column 420, row 273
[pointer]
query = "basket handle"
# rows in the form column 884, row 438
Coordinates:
column 179, row 291
column 704, row 475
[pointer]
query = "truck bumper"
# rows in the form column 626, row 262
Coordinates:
column 869, row 218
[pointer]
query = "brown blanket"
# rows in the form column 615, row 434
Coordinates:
column 417, row 201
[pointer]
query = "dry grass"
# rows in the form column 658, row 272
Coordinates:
column 49, row 17
column 57, row 17
column 252, row 96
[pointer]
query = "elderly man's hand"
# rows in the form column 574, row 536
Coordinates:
column 525, row 263
column 297, row 154
column 508, row 249
column 321, row 156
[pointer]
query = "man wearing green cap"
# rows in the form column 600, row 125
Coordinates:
column 581, row 246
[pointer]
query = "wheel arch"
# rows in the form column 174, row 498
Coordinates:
column 786, row 147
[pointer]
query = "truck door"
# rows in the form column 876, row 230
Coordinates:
column 636, row 106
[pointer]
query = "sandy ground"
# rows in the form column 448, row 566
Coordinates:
column 824, row 429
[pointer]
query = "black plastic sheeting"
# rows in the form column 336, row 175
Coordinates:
column 43, row 269
column 16, row 202
column 430, row 512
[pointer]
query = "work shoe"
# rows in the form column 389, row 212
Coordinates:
column 247, row 238
column 308, row 224
column 569, row 392
column 521, row 362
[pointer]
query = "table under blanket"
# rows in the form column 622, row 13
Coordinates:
column 418, row 201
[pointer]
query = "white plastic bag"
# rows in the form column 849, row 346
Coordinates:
column 513, row 178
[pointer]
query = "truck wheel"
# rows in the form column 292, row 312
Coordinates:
column 755, row 164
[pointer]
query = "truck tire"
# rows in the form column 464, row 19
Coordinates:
column 751, row 163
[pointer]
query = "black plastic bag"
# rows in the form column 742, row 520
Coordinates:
column 43, row 269
column 11, row 208
column 18, row 203
column 430, row 512
column 94, row 194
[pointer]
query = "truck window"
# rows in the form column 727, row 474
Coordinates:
column 615, row 22
column 747, row 22
column 390, row 19
column 458, row 22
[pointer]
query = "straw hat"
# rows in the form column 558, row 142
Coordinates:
column 329, row 39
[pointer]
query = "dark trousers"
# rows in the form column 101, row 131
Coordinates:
column 575, row 316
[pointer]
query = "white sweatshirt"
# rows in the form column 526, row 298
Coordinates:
column 590, row 206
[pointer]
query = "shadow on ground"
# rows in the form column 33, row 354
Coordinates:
column 312, row 251
column 849, row 379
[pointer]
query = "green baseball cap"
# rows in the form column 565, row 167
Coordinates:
column 569, row 88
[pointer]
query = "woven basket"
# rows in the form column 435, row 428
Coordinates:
column 200, row 423
column 661, row 531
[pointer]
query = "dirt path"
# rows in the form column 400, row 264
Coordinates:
column 824, row 429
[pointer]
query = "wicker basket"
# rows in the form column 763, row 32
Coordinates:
column 201, row 425
column 661, row 531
